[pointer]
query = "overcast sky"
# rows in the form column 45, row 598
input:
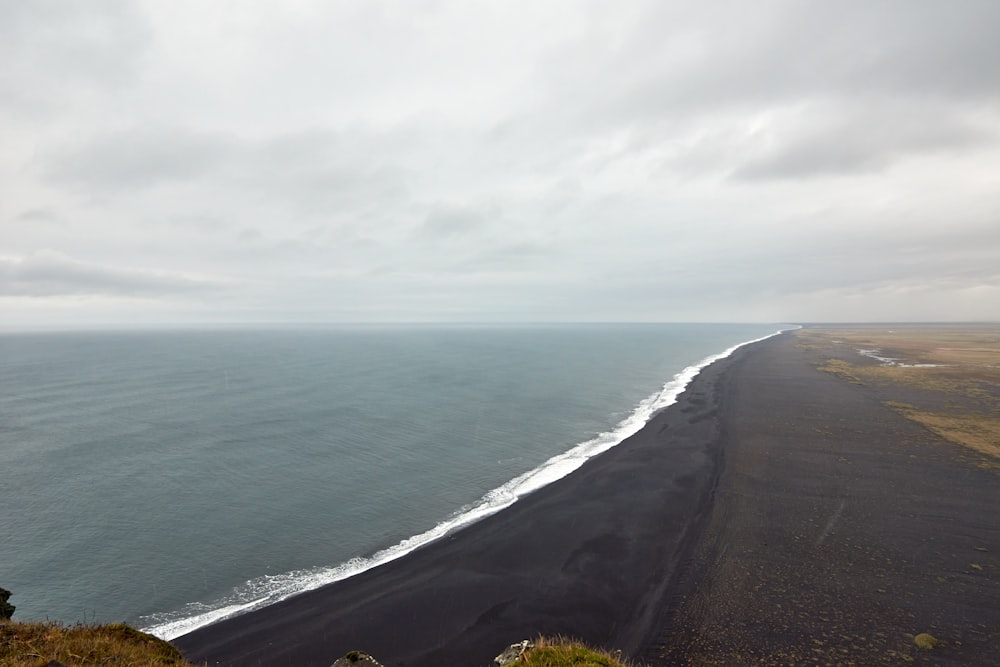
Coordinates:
column 184, row 162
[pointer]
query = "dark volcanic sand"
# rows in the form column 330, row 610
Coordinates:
column 776, row 514
column 839, row 530
column 588, row 556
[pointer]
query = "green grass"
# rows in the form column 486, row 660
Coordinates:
column 560, row 652
column 32, row 644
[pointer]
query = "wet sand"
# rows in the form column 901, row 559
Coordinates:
column 776, row 514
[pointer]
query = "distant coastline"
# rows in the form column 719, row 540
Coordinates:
column 198, row 459
column 646, row 548
column 589, row 555
column 494, row 501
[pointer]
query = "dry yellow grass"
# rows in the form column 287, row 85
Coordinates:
column 26, row 644
column 978, row 432
column 955, row 370
column 841, row 368
column 972, row 349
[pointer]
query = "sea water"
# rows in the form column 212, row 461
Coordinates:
column 173, row 478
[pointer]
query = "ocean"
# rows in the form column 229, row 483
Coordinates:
column 172, row 478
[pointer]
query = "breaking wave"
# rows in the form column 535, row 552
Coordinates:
column 269, row 589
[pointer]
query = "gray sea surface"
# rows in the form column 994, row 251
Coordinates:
column 172, row 478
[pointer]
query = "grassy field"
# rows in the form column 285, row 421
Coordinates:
column 946, row 378
column 24, row 644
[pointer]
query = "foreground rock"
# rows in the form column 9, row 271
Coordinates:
column 356, row 659
column 513, row 653
column 6, row 609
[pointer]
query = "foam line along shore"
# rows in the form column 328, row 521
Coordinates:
column 587, row 555
column 267, row 590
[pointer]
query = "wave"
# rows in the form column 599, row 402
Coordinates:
column 269, row 589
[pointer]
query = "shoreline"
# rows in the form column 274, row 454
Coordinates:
column 842, row 531
column 776, row 514
column 492, row 502
column 559, row 561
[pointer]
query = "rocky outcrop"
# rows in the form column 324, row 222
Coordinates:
column 509, row 656
column 513, row 653
column 6, row 609
column 356, row 659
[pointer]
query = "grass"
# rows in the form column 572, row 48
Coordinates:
column 978, row 432
column 956, row 393
column 562, row 652
column 33, row 644
column 841, row 368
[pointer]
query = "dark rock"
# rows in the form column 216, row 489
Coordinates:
column 356, row 659
column 513, row 653
column 6, row 609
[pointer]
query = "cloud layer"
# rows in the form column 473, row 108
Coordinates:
column 48, row 273
column 439, row 160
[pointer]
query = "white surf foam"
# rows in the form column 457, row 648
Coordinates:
column 270, row 589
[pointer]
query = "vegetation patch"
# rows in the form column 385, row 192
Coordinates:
column 975, row 431
column 27, row 644
column 950, row 376
column 561, row 652
column 843, row 369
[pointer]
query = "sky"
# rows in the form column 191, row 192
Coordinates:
column 191, row 162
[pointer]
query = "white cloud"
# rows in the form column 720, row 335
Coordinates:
column 865, row 136
column 472, row 160
column 58, row 52
column 138, row 158
column 50, row 273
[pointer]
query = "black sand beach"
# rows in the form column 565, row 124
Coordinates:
column 839, row 531
column 775, row 515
